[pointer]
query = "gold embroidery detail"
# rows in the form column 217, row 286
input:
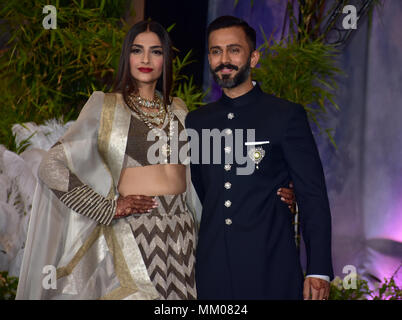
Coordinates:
column 128, row 286
column 127, row 283
column 68, row 269
column 105, row 130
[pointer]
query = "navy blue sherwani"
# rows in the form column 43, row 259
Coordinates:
column 246, row 247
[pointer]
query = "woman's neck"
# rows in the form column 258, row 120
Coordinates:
column 147, row 90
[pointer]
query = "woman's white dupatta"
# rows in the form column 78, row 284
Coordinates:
column 69, row 256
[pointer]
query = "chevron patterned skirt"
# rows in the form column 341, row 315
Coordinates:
column 166, row 239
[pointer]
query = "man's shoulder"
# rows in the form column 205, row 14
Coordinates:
column 271, row 104
column 205, row 109
column 278, row 104
column 202, row 112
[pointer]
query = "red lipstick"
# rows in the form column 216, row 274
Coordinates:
column 145, row 70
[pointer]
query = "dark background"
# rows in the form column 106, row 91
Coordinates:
column 190, row 29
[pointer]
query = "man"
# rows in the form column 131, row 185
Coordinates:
column 246, row 248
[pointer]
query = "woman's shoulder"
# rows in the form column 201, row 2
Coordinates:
column 95, row 101
column 99, row 93
column 107, row 98
column 179, row 104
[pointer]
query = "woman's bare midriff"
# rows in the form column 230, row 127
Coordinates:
column 153, row 180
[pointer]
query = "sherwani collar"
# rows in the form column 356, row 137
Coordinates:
column 246, row 99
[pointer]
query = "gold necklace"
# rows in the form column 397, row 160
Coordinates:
column 154, row 122
column 155, row 103
column 154, row 117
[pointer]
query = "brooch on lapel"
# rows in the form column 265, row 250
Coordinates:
column 256, row 154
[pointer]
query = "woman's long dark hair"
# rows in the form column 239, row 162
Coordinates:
column 125, row 83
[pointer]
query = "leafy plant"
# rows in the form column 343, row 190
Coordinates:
column 389, row 290
column 178, row 67
column 302, row 65
column 338, row 292
column 8, row 286
column 304, row 73
column 183, row 86
column 191, row 94
column 386, row 290
column 50, row 73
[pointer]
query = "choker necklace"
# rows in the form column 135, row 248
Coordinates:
column 156, row 118
column 155, row 103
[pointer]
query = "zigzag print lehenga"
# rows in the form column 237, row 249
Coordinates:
column 166, row 236
column 166, row 241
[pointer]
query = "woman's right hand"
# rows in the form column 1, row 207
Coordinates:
column 134, row 204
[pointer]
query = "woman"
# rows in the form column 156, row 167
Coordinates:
column 111, row 219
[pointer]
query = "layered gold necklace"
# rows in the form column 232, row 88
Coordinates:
column 153, row 119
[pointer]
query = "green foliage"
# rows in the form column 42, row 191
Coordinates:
column 301, row 72
column 301, row 67
column 178, row 68
column 8, row 286
column 338, row 292
column 389, row 290
column 50, row 73
column 386, row 290
column 191, row 94
column 183, row 86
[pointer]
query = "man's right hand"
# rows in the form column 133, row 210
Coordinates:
column 134, row 204
column 288, row 196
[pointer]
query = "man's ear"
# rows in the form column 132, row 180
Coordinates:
column 209, row 59
column 255, row 57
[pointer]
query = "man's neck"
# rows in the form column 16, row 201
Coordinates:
column 240, row 90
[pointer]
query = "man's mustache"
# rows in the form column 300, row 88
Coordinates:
column 227, row 66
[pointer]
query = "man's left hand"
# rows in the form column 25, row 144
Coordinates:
column 316, row 289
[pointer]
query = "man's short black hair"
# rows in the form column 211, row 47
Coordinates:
column 230, row 21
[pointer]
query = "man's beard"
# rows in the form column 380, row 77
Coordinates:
column 227, row 82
